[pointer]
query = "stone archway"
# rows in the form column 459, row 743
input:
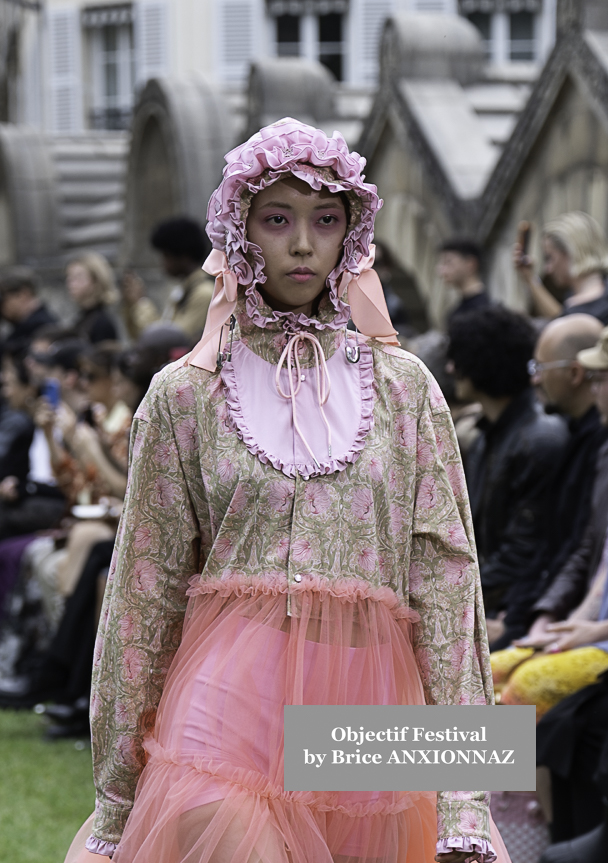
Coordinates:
column 181, row 132
column 29, row 222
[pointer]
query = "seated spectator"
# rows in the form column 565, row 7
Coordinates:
column 138, row 310
column 29, row 497
column 566, row 386
column 573, row 580
column 93, row 461
column 459, row 267
column 22, row 308
column 62, row 362
column 90, row 284
column 101, row 441
column 183, row 248
column 575, row 262
column 509, row 466
column 525, row 677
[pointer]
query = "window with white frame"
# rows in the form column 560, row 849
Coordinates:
column 314, row 29
column 112, row 71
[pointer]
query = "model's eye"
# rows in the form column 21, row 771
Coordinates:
column 277, row 220
column 328, row 220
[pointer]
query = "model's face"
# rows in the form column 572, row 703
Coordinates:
column 455, row 269
column 556, row 264
column 301, row 234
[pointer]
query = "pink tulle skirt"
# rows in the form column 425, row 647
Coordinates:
column 212, row 789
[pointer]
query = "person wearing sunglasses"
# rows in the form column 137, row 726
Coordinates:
column 566, row 386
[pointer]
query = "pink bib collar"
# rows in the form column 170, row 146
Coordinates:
column 324, row 431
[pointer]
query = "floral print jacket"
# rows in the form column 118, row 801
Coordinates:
column 200, row 501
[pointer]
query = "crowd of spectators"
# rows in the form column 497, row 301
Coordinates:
column 529, row 396
column 69, row 394
column 537, row 471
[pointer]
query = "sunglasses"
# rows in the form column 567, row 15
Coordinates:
column 535, row 368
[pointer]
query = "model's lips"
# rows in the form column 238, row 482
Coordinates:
column 301, row 274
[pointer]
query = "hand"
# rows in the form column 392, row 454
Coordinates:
column 538, row 636
column 575, row 633
column 133, row 288
column 457, row 857
column 523, row 264
column 496, row 626
column 44, row 415
column 8, row 488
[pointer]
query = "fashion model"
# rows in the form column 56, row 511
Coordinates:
column 296, row 531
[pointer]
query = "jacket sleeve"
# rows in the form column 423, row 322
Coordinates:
column 571, row 582
column 450, row 640
column 156, row 552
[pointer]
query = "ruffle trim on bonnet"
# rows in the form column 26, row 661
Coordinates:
column 290, row 147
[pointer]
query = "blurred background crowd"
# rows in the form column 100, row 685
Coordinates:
column 484, row 125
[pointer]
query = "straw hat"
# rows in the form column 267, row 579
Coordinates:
column 596, row 358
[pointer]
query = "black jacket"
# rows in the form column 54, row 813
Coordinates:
column 96, row 325
column 509, row 470
column 571, row 583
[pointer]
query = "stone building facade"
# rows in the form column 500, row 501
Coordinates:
column 459, row 148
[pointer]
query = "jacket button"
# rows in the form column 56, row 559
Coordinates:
column 297, row 578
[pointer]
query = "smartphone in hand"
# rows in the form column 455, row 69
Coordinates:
column 524, row 229
column 51, row 390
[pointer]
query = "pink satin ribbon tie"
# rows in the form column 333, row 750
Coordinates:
column 290, row 354
column 222, row 306
column 368, row 308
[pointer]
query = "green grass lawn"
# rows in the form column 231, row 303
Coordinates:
column 46, row 791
